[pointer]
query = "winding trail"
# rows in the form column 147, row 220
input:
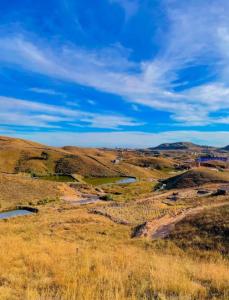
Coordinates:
column 162, row 227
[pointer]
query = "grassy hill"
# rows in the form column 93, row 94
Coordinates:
column 18, row 155
column 209, row 231
column 158, row 163
column 196, row 177
column 182, row 146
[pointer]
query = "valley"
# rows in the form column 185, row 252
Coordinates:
column 113, row 223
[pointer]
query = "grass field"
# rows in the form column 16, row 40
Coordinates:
column 135, row 213
column 71, row 252
column 66, row 253
column 209, row 230
column 16, row 189
column 130, row 192
column 58, row 178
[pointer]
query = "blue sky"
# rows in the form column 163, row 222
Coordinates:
column 115, row 72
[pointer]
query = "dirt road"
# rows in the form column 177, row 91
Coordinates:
column 161, row 227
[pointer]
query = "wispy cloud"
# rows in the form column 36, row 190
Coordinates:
column 18, row 112
column 50, row 92
column 91, row 102
column 193, row 38
column 130, row 6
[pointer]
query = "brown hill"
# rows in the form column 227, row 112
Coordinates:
column 158, row 163
column 182, row 146
column 225, row 148
column 196, row 177
column 208, row 229
column 18, row 155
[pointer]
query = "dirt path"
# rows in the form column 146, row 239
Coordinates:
column 161, row 227
column 83, row 199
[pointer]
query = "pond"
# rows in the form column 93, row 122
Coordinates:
column 14, row 213
column 126, row 180
column 110, row 180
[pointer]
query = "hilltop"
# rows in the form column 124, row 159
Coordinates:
column 225, row 148
column 182, row 146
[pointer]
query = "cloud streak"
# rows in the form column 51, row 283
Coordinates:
column 150, row 83
column 18, row 112
column 46, row 91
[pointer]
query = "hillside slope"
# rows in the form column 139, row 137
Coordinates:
column 225, row 148
column 16, row 189
column 196, row 177
column 209, row 231
column 18, row 155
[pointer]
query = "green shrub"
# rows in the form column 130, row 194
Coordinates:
column 107, row 197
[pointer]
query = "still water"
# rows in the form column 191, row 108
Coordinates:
column 14, row 213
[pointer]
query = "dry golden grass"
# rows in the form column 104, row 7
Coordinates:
column 65, row 253
column 18, row 189
column 209, row 230
column 196, row 177
column 130, row 192
column 135, row 213
column 18, row 155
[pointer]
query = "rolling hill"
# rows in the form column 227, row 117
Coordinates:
column 225, row 148
column 21, row 156
column 196, row 177
column 182, row 146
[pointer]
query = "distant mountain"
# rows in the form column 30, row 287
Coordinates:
column 182, row 146
column 225, row 148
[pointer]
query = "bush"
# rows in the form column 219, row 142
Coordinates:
column 107, row 197
column 46, row 201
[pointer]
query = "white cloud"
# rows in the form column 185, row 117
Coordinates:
column 20, row 112
column 150, row 87
column 111, row 122
column 46, row 91
column 92, row 102
column 194, row 37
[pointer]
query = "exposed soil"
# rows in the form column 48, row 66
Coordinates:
column 162, row 227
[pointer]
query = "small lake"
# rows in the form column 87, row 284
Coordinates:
column 110, row 180
column 14, row 213
column 126, row 180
